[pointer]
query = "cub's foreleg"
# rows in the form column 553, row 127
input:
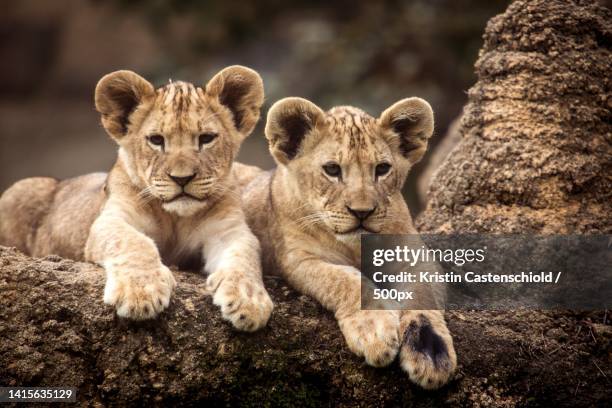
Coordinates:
column 372, row 334
column 427, row 352
column 233, row 260
column 137, row 283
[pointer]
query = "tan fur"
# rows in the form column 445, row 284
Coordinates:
column 300, row 214
column 138, row 219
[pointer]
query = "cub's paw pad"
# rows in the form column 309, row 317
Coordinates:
column 140, row 299
column 427, row 354
column 372, row 334
column 246, row 305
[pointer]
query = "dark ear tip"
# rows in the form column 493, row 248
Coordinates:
column 412, row 120
column 237, row 73
column 120, row 72
column 120, row 76
column 414, row 108
column 121, row 81
column 250, row 75
column 293, row 105
column 117, row 95
column 293, row 110
column 242, row 70
column 240, row 89
column 411, row 117
column 289, row 121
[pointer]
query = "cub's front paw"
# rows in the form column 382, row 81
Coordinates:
column 427, row 352
column 243, row 302
column 139, row 294
column 372, row 334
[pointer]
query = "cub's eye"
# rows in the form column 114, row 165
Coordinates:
column 206, row 138
column 332, row 169
column 156, row 140
column 382, row 169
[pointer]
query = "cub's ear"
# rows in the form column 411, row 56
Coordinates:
column 289, row 122
column 240, row 89
column 412, row 121
column 118, row 94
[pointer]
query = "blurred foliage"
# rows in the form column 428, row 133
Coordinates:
column 368, row 53
column 223, row 21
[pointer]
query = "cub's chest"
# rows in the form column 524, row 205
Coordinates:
column 180, row 245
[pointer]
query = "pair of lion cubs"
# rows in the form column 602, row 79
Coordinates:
column 175, row 196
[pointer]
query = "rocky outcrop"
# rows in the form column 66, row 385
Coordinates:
column 536, row 152
column 55, row 331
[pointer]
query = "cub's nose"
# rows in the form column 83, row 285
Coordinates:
column 361, row 213
column 182, row 181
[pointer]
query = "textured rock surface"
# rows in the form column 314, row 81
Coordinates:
column 439, row 153
column 55, row 331
column 536, row 153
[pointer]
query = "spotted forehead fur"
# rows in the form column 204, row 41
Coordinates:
column 353, row 128
column 181, row 104
column 179, row 95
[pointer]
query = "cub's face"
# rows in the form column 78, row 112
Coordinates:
column 348, row 165
column 177, row 143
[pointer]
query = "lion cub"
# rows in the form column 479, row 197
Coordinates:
column 339, row 175
column 169, row 199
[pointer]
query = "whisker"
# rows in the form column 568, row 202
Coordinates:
column 221, row 190
column 310, row 220
column 196, row 184
column 145, row 196
column 145, row 192
column 298, row 209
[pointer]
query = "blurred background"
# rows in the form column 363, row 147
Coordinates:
column 368, row 54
